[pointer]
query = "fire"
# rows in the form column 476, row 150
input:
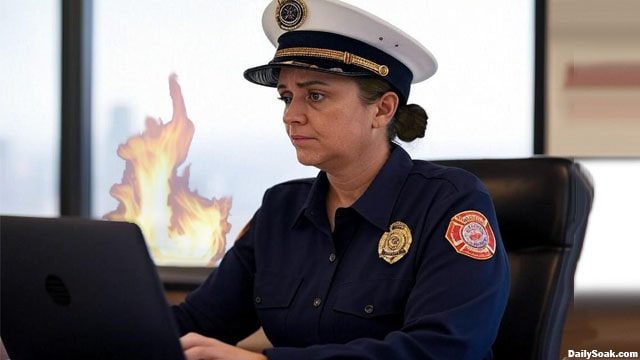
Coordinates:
column 180, row 226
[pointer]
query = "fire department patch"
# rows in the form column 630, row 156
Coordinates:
column 395, row 243
column 470, row 234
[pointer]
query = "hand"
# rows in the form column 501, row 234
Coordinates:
column 198, row 347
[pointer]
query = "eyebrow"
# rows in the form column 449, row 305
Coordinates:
column 305, row 84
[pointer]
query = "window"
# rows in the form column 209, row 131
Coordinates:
column 29, row 126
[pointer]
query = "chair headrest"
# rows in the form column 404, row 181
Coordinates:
column 535, row 198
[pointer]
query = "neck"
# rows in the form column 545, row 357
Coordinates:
column 346, row 186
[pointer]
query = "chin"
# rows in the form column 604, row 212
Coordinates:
column 305, row 162
column 307, row 159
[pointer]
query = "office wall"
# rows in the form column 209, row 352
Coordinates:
column 593, row 78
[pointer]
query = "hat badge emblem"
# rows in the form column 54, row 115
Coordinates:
column 290, row 14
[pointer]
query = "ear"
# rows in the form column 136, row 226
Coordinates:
column 386, row 107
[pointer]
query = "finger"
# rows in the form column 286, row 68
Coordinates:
column 198, row 353
column 191, row 340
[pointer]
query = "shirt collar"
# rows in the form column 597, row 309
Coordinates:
column 377, row 202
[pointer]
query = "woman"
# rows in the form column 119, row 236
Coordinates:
column 378, row 257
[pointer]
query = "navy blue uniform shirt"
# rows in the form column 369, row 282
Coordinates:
column 323, row 295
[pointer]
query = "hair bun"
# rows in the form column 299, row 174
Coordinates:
column 410, row 122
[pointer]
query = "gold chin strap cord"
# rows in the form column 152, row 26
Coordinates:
column 345, row 57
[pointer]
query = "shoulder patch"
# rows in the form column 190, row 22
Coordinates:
column 470, row 233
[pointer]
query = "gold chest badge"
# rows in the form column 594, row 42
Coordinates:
column 395, row 243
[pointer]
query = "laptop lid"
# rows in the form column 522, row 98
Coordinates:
column 77, row 288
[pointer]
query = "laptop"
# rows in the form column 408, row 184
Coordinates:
column 75, row 288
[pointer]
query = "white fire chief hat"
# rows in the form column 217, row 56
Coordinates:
column 335, row 37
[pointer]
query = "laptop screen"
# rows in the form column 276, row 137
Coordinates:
column 75, row 288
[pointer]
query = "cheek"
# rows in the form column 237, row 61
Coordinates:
column 351, row 132
column 356, row 120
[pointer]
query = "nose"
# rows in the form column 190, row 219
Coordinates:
column 295, row 112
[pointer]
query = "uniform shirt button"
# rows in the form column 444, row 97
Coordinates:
column 258, row 299
column 316, row 302
column 368, row 309
column 332, row 257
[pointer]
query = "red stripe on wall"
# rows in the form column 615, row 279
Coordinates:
column 603, row 75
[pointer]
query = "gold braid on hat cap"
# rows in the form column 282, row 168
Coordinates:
column 345, row 57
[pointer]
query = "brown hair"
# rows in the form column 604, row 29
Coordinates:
column 410, row 120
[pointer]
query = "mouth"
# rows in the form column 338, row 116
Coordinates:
column 299, row 139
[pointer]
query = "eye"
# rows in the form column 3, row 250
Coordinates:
column 314, row 96
column 285, row 99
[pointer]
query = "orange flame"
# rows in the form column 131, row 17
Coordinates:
column 180, row 226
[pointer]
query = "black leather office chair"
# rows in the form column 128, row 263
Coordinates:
column 543, row 206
